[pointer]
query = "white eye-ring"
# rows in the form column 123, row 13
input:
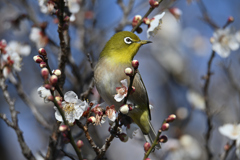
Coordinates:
column 128, row 40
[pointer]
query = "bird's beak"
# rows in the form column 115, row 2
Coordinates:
column 142, row 42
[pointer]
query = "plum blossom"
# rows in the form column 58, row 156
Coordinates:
column 132, row 129
column 44, row 93
column 38, row 37
column 111, row 113
column 74, row 8
column 196, row 99
column 11, row 59
column 232, row 131
column 72, row 107
column 121, row 91
column 154, row 25
column 46, row 6
column 223, row 41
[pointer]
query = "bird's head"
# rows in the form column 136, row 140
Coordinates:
column 122, row 47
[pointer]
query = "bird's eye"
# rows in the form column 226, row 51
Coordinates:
column 127, row 40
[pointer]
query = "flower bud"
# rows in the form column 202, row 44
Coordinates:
column 230, row 19
column 128, row 71
column 53, row 79
column 165, row 126
column 176, row 12
column 66, row 19
column 153, row 3
column 91, row 119
column 136, row 19
column 146, row 21
column 37, row 59
column 124, row 109
column 58, row 98
column 44, row 73
column 47, row 86
column 171, row 118
column 147, row 159
column 123, row 137
column 163, row 139
column 57, row 72
column 135, row 64
column 42, row 52
column 50, row 98
column 80, row 144
column 147, row 146
column 63, row 128
column 43, row 64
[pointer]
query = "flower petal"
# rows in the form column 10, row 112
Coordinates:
column 58, row 115
column 131, row 131
column 70, row 97
column 119, row 97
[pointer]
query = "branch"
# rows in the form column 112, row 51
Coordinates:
column 207, row 110
column 225, row 154
column 14, row 124
column 146, row 15
column 33, row 108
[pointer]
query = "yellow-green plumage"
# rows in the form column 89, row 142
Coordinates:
column 109, row 71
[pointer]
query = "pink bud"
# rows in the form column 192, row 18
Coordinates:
column 42, row 52
column 50, row 98
column 230, row 19
column 80, row 144
column 128, row 71
column 66, row 19
column 147, row 159
column 171, row 118
column 136, row 19
column 44, row 73
column 147, row 146
column 146, row 21
column 176, row 12
column 123, row 137
column 91, row 119
column 57, row 72
column 124, row 109
column 135, row 64
column 43, row 64
column 163, row 139
column 153, row 3
column 53, row 79
column 165, row 126
column 37, row 59
column 47, row 86
column 63, row 128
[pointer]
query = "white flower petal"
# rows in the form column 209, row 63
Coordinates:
column 233, row 44
column 221, row 51
column 154, row 24
column 73, row 6
column 113, row 117
column 133, row 128
column 72, row 18
column 230, row 130
column 196, row 99
column 124, row 83
column 119, row 97
column 25, row 50
column 70, row 96
column 58, row 115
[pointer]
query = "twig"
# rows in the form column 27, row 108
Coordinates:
column 14, row 124
column 225, row 154
column 29, row 103
column 207, row 110
column 126, row 12
column 146, row 15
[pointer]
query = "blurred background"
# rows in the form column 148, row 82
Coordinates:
column 172, row 68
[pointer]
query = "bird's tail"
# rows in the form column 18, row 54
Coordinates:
column 150, row 137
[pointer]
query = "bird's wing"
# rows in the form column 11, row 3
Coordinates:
column 138, row 84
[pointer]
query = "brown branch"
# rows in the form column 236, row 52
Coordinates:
column 146, row 15
column 29, row 103
column 126, row 12
column 14, row 124
column 207, row 110
column 225, row 154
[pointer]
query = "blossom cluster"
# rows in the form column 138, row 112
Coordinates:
column 11, row 57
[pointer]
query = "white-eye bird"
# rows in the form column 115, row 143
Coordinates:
column 116, row 56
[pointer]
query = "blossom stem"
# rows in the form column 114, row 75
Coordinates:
column 77, row 150
column 145, row 16
column 156, row 141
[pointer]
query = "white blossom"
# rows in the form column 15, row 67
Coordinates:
column 72, row 107
column 196, row 99
column 132, row 129
column 155, row 24
column 38, row 37
column 44, row 93
column 223, row 42
column 121, row 91
column 231, row 131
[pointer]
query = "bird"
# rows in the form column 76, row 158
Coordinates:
column 116, row 56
